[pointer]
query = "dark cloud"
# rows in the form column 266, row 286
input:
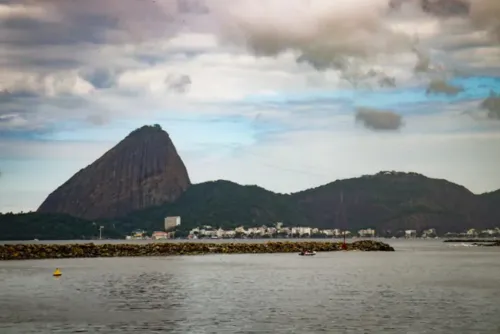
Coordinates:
column 74, row 30
column 36, row 112
column 492, row 105
column 7, row 96
column 375, row 119
column 100, row 78
column 16, row 105
column 192, row 6
column 387, row 82
column 442, row 8
column 178, row 83
column 446, row 7
column 423, row 63
column 7, row 118
column 52, row 22
column 440, row 86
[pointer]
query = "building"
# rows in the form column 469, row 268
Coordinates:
column 138, row 234
column 429, row 233
column 301, row 230
column 409, row 234
column 472, row 232
column 159, row 235
column 367, row 233
column 172, row 222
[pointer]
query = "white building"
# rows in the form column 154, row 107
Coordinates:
column 337, row 232
column 429, row 233
column 172, row 222
column 490, row 232
column 301, row 230
column 471, row 232
column 410, row 234
column 240, row 230
column 370, row 233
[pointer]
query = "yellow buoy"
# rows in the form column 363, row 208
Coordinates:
column 57, row 273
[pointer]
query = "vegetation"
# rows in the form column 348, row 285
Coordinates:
column 29, row 226
column 219, row 204
column 388, row 202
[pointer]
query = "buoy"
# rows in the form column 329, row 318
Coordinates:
column 57, row 273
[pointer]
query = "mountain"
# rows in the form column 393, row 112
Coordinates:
column 142, row 180
column 387, row 201
column 490, row 209
column 390, row 201
column 141, row 171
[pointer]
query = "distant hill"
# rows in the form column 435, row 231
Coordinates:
column 490, row 208
column 220, row 203
column 387, row 201
column 391, row 201
column 142, row 170
column 142, row 180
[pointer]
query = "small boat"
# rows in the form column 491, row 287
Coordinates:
column 307, row 253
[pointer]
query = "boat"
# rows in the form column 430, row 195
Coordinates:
column 307, row 253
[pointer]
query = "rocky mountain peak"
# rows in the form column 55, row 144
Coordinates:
column 142, row 170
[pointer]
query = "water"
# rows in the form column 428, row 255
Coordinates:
column 423, row 287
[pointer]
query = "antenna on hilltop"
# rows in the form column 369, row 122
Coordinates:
column 344, row 246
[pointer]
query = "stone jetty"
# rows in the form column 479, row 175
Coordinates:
column 488, row 244
column 470, row 240
column 59, row 251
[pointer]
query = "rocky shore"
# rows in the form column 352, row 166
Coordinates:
column 41, row 251
column 488, row 244
column 471, row 240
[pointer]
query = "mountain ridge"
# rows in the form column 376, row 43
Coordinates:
column 387, row 201
column 227, row 204
column 412, row 204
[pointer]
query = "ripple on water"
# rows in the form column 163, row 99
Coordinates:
column 401, row 292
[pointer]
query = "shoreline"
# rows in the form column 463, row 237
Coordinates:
column 91, row 250
column 471, row 240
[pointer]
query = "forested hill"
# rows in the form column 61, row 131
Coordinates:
column 387, row 201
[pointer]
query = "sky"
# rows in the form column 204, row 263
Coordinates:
column 285, row 94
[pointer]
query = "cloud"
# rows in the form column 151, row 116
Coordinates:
column 178, row 83
column 98, row 63
column 329, row 33
column 446, row 8
column 492, row 105
column 96, row 119
column 379, row 119
column 485, row 14
column 439, row 86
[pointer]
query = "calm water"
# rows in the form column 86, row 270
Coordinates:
column 424, row 287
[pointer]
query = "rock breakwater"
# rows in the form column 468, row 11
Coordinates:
column 41, row 251
column 488, row 244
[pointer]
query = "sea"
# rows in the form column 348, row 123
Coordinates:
column 425, row 286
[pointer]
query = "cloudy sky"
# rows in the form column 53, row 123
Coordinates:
column 286, row 94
